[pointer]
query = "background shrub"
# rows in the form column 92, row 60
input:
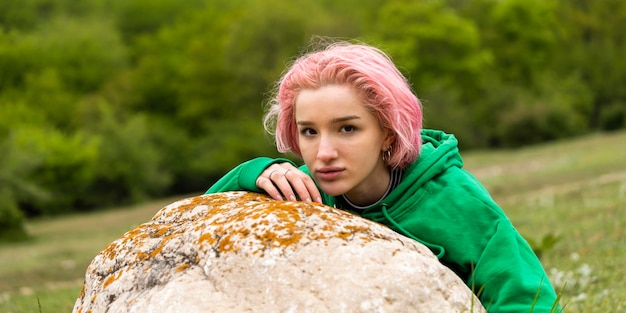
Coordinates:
column 110, row 102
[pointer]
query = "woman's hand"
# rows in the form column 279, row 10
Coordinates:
column 285, row 180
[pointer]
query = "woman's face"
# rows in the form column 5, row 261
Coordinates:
column 341, row 143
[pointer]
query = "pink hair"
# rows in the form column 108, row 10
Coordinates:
column 372, row 74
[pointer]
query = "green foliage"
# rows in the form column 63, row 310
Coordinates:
column 25, row 14
column 11, row 218
column 14, row 59
column 86, row 52
column 180, row 71
column 14, row 166
column 544, row 245
column 52, row 66
column 522, row 35
column 613, row 115
column 127, row 166
column 594, row 46
column 115, row 101
column 63, row 169
column 435, row 45
column 28, row 14
column 144, row 17
column 558, row 109
column 256, row 54
column 228, row 150
column 574, row 189
column 439, row 50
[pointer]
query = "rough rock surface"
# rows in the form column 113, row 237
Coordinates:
column 244, row 252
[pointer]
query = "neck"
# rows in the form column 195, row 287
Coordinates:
column 373, row 190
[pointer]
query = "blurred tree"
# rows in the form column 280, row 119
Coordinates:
column 593, row 47
column 550, row 112
column 11, row 218
column 25, row 14
column 86, row 53
column 104, row 102
column 16, row 59
column 181, row 73
column 137, row 18
column 522, row 34
column 129, row 166
column 523, row 81
column 15, row 167
column 28, row 14
column 210, row 75
column 51, row 67
column 64, row 168
column 441, row 54
column 353, row 19
column 257, row 54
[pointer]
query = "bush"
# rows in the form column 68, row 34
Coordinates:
column 62, row 168
column 128, row 165
column 13, row 184
column 11, row 219
column 613, row 116
column 556, row 108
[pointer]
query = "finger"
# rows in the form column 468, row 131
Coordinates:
column 285, row 180
column 304, row 186
column 284, row 185
column 300, row 183
column 266, row 184
column 269, row 178
column 275, row 169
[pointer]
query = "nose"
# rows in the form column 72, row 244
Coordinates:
column 326, row 150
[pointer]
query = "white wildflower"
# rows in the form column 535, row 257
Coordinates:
column 585, row 270
column 580, row 297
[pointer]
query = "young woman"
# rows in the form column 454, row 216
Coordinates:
column 351, row 116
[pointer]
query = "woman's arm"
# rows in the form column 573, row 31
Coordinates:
column 279, row 178
column 512, row 276
column 244, row 176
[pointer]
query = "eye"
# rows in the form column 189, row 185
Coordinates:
column 307, row 132
column 348, row 129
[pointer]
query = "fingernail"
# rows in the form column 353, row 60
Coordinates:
column 319, row 200
column 292, row 198
column 308, row 199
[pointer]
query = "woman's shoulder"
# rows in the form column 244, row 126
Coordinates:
column 457, row 189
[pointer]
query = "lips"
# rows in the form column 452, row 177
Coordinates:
column 329, row 172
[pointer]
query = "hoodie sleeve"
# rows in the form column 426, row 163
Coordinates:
column 244, row 176
column 511, row 277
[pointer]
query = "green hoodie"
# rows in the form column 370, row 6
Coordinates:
column 444, row 207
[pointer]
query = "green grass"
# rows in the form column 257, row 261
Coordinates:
column 49, row 269
column 575, row 191
column 572, row 190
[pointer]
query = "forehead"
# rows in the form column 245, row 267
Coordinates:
column 328, row 100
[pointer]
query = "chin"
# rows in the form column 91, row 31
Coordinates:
column 333, row 190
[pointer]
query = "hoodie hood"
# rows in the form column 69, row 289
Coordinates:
column 439, row 154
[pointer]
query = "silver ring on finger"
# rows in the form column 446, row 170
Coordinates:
column 270, row 175
column 285, row 173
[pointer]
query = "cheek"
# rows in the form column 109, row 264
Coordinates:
column 307, row 151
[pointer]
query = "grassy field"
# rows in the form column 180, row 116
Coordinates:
column 568, row 197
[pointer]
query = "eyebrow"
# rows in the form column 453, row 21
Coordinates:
column 333, row 121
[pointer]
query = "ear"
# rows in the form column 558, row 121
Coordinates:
column 389, row 139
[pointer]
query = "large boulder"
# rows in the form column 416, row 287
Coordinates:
column 244, row 252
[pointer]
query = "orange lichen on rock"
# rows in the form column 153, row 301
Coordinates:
column 195, row 234
column 112, row 278
column 260, row 223
column 182, row 267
